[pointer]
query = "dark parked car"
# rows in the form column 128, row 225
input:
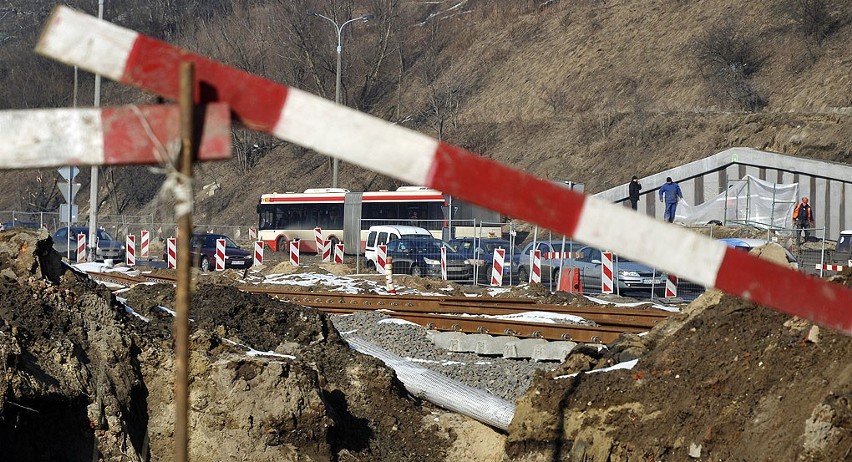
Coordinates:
column 203, row 252
column 108, row 247
column 421, row 256
column 19, row 224
column 480, row 253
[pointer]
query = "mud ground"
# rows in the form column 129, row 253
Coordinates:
column 85, row 379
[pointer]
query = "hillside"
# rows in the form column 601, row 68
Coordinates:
column 588, row 91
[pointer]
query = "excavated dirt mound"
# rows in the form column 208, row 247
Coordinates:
column 83, row 375
column 725, row 380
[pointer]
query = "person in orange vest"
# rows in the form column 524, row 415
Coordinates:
column 803, row 219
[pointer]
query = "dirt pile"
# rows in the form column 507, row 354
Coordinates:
column 83, row 373
column 725, row 380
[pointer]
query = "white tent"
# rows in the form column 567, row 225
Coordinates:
column 750, row 201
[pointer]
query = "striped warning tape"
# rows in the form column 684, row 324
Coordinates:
column 105, row 136
column 313, row 122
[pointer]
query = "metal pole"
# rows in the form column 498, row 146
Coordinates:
column 336, row 161
column 93, row 190
column 184, row 266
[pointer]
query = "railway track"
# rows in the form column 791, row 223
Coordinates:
column 460, row 314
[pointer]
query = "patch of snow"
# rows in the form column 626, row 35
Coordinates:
column 625, row 365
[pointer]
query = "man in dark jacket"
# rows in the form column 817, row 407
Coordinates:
column 671, row 192
column 803, row 220
column 635, row 187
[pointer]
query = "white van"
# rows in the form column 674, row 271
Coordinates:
column 382, row 234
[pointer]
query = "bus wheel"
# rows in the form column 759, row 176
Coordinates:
column 281, row 244
column 334, row 241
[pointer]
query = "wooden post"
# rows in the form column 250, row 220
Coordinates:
column 183, row 212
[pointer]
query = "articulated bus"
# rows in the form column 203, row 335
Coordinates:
column 345, row 216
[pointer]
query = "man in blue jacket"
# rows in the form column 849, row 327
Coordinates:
column 671, row 192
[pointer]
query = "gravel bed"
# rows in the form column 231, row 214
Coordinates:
column 506, row 378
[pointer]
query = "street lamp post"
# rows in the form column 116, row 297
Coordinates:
column 339, row 29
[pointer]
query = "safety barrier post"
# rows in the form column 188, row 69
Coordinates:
column 497, row 267
column 671, row 286
column 81, row 248
column 220, row 255
column 171, row 253
column 130, row 250
column 326, row 251
column 294, row 252
column 443, row 263
column 318, row 241
column 389, row 276
column 338, row 254
column 258, row 253
column 381, row 257
column 253, row 233
column 606, row 273
column 535, row 272
column 144, row 244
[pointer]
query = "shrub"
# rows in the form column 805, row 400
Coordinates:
column 727, row 59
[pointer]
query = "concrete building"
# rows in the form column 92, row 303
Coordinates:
column 827, row 184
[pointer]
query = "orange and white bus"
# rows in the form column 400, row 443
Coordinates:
column 345, row 216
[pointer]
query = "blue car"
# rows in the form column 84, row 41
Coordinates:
column 480, row 253
column 421, row 256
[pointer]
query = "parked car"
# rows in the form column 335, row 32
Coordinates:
column 19, row 224
column 382, row 234
column 749, row 244
column 549, row 266
column 108, row 247
column 421, row 256
column 630, row 276
column 203, row 252
column 480, row 253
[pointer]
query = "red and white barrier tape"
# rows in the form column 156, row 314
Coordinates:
column 37, row 138
column 313, row 122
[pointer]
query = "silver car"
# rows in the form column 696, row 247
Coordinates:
column 628, row 275
column 108, row 247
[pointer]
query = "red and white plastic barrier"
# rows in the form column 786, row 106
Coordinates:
column 130, row 250
column 81, row 248
column 389, row 276
column 671, row 286
column 253, row 233
column 443, row 263
column 171, row 252
column 381, row 256
column 535, row 273
column 338, row 254
column 38, row 138
column 497, row 267
column 326, row 251
column 258, row 253
column 412, row 157
column 294, row 252
column 606, row 273
column 143, row 251
column 220, row 255
column 319, row 241
column 561, row 255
